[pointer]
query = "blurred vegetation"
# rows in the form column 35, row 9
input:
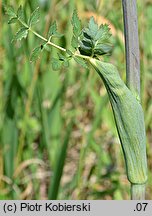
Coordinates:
column 57, row 134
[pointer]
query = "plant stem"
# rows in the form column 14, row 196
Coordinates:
column 132, row 45
column 132, row 67
column 138, row 191
column 51, row 43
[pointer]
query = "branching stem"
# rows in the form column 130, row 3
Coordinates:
column 51, row 43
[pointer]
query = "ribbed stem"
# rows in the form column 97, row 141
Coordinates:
column 138, row 191
column 132, row 45
column 132, row 67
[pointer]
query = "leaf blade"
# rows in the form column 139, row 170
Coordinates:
column 93, row 27
column 76, row 24
column 22, row 33
column 35, row 16
column 9, row 10
column 56, row 64
column 20, row 13
column 52, row 29
column 81, row 62
column 35, row 54
column 12, row 20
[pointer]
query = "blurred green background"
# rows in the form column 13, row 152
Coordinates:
column 57, row 134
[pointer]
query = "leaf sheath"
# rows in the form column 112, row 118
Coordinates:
column 129, row 120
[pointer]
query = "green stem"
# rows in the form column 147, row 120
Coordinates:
column 138, row 191
column 131, row 45
column 51, row 43
column 132, row 65
column 56, row 46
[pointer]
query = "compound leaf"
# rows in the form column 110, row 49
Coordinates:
column 95, row 39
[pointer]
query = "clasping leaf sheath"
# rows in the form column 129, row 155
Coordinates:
column 129, row 120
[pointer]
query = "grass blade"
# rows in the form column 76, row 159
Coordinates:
column 55, row 181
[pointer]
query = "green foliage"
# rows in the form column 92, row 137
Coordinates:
column 34, row 18
column 81, row 62
column 20, row 13
column 76, row 24
column 94, row 157
column 94, row 40
column 56, row 64
column 60, row 161
column 91, row 41
column 22, row 33
column 9, row 10
column 53, row 31
column 76, row 30
column 12, row 20
column 74, row 42
column 35, row 53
